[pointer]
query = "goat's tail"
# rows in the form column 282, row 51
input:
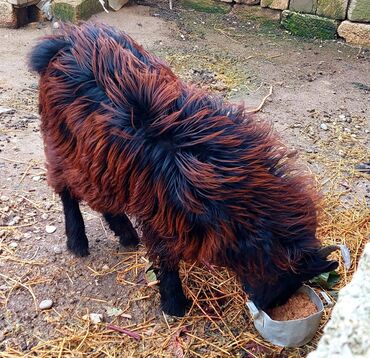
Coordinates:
column 43, row 52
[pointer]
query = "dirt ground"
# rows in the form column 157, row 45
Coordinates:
column 320, row 104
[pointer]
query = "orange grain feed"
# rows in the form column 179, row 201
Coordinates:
column 297, row 307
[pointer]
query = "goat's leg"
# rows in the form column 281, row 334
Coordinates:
column 74, row 225
column 122, row 227
column 173, row 299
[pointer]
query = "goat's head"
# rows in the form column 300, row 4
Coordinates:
column 270, row 294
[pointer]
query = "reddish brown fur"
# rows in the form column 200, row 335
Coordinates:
column 108, row 175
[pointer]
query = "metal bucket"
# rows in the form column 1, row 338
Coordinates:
column 294, row 333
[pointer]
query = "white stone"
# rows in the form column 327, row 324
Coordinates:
column 50, row 229
column 46, row 304
column 347, row 332
column 57, row 250
column 96, row 318
column 324, row 126
column 5, row 110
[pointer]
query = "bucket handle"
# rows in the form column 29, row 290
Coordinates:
column 326, row 297
column 253, row 309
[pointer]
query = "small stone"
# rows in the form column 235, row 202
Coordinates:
column 57, row 250
column 13, row 245
column 342, row 117
column 27, row 235
column 36, row 178
column 324, row 126
column 46, row 304
column 4, row 198
column 14, row 221
column 5, row 110
column 50, row 229
column 96, row 318
column 44, row 216
column 105, row 267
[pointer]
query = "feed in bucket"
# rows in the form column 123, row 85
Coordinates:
column 298, row 306
column 294, row 332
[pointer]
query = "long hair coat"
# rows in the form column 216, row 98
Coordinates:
column 206, row 180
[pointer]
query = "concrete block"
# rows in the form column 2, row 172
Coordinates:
column 8, row 17
column 305, row 6
column 13, row 16
column 359, row 10
column 310, row 26
column 75, row 10
column 355, row 33
column 334, row 9
column 275, row 4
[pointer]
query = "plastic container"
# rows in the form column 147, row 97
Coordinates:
column 294, row 333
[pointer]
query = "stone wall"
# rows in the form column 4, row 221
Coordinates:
column 324, row 19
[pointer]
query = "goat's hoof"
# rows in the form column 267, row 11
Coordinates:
column 129, row 239
column 78, row 249
column 176, row 306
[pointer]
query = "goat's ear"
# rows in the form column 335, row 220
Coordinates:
column 325, row 251
column 318, row 265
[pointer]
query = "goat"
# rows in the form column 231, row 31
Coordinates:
column 205, row 180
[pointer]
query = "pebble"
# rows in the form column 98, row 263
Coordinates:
column 324, row 126
column 36, row 178
column 5, row 110
column 342, row 117
column 57, row 250
column 105, row 267
column 46, row 304
column 44, row 216
column 50, row 229
column 4, row 198
column 95, row 318
column 13, row 245
column 14, row 221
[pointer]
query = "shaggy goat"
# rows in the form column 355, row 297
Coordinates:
column 205, row 180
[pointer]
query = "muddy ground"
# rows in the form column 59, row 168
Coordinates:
column 320, row 103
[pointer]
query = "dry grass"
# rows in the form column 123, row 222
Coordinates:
column 217, row 325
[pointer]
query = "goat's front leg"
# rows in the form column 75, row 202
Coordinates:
column 173, row 299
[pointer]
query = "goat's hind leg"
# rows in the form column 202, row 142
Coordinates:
column 74, row 224
column 122, row 227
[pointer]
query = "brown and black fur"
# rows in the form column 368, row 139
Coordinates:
column 205, row 180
